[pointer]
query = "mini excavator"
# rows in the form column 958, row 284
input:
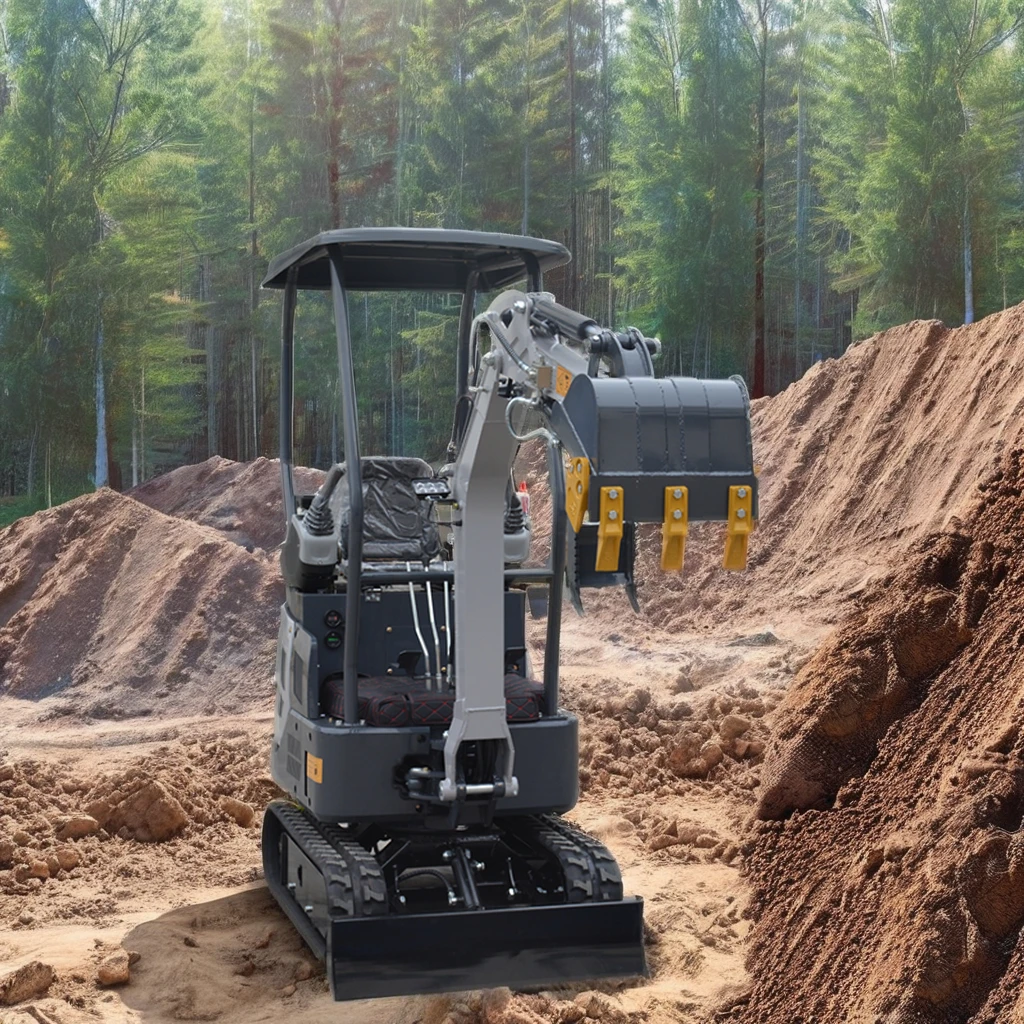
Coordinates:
column 427, row 766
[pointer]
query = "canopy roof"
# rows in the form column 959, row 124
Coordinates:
column 428, row 259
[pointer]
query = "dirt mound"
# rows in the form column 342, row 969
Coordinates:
column 116, row 610
column 240, row 499
column 640, row 744
column 77, row 843
column 889, row 884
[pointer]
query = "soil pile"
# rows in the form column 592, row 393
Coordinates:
column 889, row 875
column 116, row 610
column 240, row 499
column 81, row 843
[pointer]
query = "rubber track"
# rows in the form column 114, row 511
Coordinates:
column 371, row 895
column 354, row 882
column 591, row 872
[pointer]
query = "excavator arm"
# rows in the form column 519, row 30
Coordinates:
column 639, row 448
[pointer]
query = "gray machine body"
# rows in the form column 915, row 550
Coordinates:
column 358, row 762
column 597, row 397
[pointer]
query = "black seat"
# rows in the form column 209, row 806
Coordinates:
column 397, row 524
column 402, row 700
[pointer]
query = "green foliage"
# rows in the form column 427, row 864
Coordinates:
column 12, row 509
column 157, row 153
column 924, row 125
column 683, row 170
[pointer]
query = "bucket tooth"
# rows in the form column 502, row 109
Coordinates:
column 674, row 528
column 577, row 491
column 738, row 528
column 609, row 529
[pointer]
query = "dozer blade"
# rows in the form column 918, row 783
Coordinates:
column 454, row 951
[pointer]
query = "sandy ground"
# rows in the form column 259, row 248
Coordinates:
column 213, row 945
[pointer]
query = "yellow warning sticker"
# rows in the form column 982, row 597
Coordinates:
column 314, row 767
column 563, row 378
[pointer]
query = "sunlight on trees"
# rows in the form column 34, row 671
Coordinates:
column 757, row 181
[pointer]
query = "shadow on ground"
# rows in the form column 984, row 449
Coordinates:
column 238, row 959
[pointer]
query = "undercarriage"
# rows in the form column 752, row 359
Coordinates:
column 531, row 901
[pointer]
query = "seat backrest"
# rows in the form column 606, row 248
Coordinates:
column 397, row 524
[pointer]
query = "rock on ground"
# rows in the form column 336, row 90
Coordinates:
column 26, row 982
column 238, row 810
column 78, row 826
column 114, row 970
column 150, row 814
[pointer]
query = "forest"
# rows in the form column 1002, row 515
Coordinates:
column 757, row 182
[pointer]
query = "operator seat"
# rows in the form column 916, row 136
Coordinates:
column 398, row 526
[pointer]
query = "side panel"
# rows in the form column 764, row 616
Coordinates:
column 388, row 637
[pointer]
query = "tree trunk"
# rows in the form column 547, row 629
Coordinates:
column 102, row 475
column 800, row 226
column 524, row 227
column 574, row 298
column 758, row 389
column 255, row 397
column 400, row 149
column 336, row 87
column 254, row 292
column 968, row 260
column 142, row 429
column 606, row 165
column 212, row 369
column 31, row 481
column 817, row 309
column 135, row 446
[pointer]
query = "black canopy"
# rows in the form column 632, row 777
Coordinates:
column 429, row 259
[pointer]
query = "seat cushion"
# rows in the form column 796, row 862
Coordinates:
column 401, row 700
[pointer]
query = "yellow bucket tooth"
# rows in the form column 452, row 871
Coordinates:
column 577, row 491
column 675, row 528
column 738, row 527
column 609, row 529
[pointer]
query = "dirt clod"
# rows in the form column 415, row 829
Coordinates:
column 240, row 812
column 28, row 982
column 78, row 826
column 150, row 814
column 114, row 969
